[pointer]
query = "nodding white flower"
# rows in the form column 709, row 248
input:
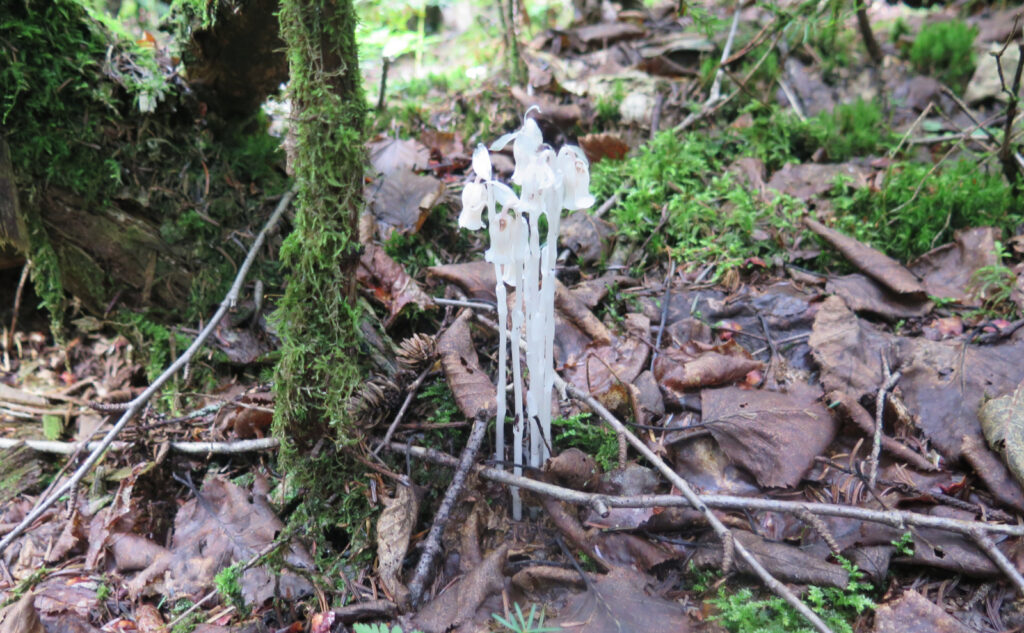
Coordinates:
column 474, row 199
column 538, row 179
column 528, row 140
column 508, row 244
column 575, row 170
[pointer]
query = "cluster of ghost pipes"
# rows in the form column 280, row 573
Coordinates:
column 548, row 183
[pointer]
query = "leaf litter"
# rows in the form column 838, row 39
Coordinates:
column 765, row 385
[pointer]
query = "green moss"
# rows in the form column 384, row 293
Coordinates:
column 945, row 51
column 905, row 225
column 318, row 319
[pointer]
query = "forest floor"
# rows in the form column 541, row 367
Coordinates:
column 798, row 295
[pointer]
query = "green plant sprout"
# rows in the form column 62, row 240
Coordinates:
column 376, row 627
column 994, row 285
column 945, row 50
column 518, row 623
column 597, row 440
column 905, row 545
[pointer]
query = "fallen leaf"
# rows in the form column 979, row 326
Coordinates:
column 458, row 604
column 700, row 365
column 390, row 284
column 598, row 147
column 877, row 265
column 401, row 201
column 473, row 390
column 394, row 529
column 775, row 436
column 21, row 617
column 864, row 294
column 913, row 613
column 388, row 154
column 621, row 600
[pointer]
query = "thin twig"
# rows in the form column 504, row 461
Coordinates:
column 140, row 401
column 1011, row 169
column 864, row 25
column 459, row 303
column 876, row 445
column 17, row 304
column 716, row 87
column 413, row 388
column 432, row 544
column 610, row 202
column 899, row 519
column 664, row 311
column 984, row 541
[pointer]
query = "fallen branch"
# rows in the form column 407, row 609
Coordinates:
column 899, row 519
column 432, row 545
column 140, row 401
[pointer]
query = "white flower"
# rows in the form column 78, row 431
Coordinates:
column 575, row 170
column 482, row 162
column 474, row 199
column 528, row 140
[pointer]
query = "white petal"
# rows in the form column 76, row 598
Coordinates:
column 537, row 177
column 474, row 199
column 482, row 162
column 504, row 195
column 527, row 145
column 575, row 170
column 505, row 139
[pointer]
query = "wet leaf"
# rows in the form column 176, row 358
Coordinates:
column 948, row 270
column 401, row 201
column 808, row 180
column 598, row 147
column 913, row 613
column 775, row 436
column 476, row 278
column 459, row 603
column 701, row 365
column 394, row 529
column 390, row 284
column 876, row 264
column 588, row 237
column 1002, row 422
column 863, row 294
column 388, row 154
column 473, row 390
column 21, row 617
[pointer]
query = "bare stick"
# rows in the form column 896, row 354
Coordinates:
column 432, row 545
column 716, row 87
column 899, row 519
column 413, row 388
column 17, row 304
column 1010, row 168
column 864, row 24
column 876, row 445
column 664, row 311
column 140, row 401
column 984, row 541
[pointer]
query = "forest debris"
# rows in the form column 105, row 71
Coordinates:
column 913, row 613
column 589, row 238
column 621, row 600
column 473, row 390
column 394, row 529
column 598, row 147
column 863, row 294
column 877, row 265
column 389, row 282
column 21, row 617
column 697, row 365
column 774, row 435
column 604, row 34
column 949, row 270
column 580, row 315
column 787, row 562
column 459, row 602
column 1002, row 422
column 574, row 469
column 854, row 412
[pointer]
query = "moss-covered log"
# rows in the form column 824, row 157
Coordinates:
column 318, row 319
column 126, row 195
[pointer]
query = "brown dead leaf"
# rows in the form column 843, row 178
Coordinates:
column 442, row 144
column 580, row 315
column 574, row 469
column 913, row 613
column 250, row 417
column 864, row 294
column 21, row 617
column 786, row 562
column 401, row 201
column 947, row 271
column 394, row 529
column 223, row 525
column 598, row 147
column 621, row 600
column 775, row 436
column 696, row 365
column 877, row 265
column 808, row 180
column 589, row 238
column 473, row 390
column 390, row 284
column 149, row 620
column 606, row 33
column 475, row 278
column 459, row 602
column 389, row 155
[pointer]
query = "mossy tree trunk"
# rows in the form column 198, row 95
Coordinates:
column 318, row 318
